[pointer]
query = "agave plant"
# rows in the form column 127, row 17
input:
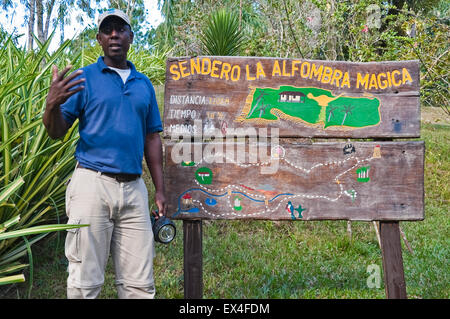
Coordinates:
column 222, row 35
column 33, row 167
column 9, row 264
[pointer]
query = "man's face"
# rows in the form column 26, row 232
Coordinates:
column 115, row 37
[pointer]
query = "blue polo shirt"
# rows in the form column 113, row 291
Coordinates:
column 114, row 118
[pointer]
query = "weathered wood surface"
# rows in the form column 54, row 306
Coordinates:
column 287, row 180
column 302, row 98
column 391, row 250
column 193, row 259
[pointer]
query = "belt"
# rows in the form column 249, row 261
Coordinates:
column 120, row 177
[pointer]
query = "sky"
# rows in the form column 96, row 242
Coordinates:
column 14, row 21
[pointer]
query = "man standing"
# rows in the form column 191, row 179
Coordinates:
column 119, row 125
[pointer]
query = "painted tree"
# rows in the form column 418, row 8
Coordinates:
column 259, row 99
column 347, row 110
column 262, row 109
column 331, row 110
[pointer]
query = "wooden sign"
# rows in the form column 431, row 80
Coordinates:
column 233, row 147
column 207, row 96
column 292, row 181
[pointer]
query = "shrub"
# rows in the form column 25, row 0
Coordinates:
column 33, row 167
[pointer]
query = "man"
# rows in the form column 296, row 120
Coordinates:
column 119, row 125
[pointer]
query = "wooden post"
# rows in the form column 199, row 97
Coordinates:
column 391, row 250
column 193, row 259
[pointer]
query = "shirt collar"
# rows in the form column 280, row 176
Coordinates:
column 102, row 66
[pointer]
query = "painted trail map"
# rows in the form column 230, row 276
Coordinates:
column 296, row 181
column 312, row 106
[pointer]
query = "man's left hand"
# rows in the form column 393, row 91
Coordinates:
column 160, row 200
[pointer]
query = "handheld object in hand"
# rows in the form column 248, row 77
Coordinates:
column 164, row 229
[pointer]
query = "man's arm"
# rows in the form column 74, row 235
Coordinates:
column 58, row 93
column 154, row 159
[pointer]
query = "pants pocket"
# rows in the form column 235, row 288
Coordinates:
column 72, row 245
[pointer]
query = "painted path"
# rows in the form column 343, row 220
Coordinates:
column 236, row 199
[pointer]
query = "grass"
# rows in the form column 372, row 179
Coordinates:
column 307, row 259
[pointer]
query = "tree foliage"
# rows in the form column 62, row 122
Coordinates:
column 366, row 30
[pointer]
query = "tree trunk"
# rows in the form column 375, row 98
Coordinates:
column 32, row 7
column 131, row 5
column 40, row 20
column 61, row 23
column 50, row 6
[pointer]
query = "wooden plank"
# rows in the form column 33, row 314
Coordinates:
column 302, row 98
column 394, row 277
column 288, row 180
column 193, row 259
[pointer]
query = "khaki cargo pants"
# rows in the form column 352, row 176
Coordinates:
column 120, row 224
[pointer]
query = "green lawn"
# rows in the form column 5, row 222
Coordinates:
column 265, row 259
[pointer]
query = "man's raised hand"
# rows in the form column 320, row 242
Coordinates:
column 60, row 89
